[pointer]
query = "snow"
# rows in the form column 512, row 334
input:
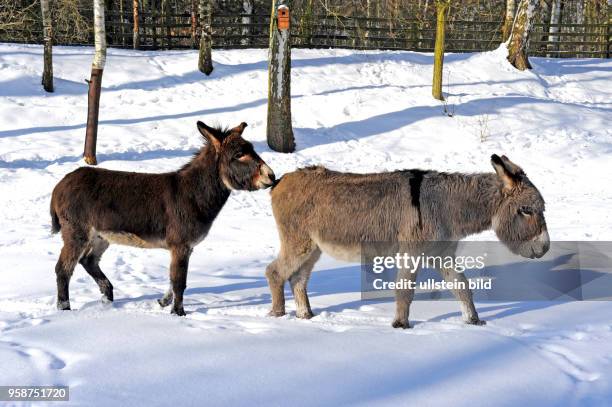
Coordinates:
column 352, row 110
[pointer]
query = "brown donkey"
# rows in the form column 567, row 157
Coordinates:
column 321, row 210
column 94, row 207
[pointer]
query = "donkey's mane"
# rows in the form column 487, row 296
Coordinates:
column 220, row 132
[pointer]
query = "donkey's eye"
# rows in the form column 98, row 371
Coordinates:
column 238, row 156
column 525, row 210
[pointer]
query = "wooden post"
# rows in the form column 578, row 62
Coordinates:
column 441, row 9
column 95, row 84
column 47, row 77
column 205, row 55
column 136, row 38
column 279, row 131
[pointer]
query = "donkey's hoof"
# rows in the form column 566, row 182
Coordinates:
column 178, row 311
column 63, row 305
column 476, row 321
column 274, row 313
column 304, row 315
column 163, row 302
column 400, row 324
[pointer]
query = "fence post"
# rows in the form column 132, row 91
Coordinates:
column 279, row 131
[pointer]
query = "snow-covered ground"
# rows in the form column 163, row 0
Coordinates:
column 357, row 111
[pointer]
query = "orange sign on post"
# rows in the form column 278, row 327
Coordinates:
column 283, row 18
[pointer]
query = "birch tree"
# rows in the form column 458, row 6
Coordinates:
column 47, row 76
column 205, row 55
column 508, row 19
column 519, row 37
column 279, row 131
column 95, row 83
column 247, row 9
column 441, row 9
column 555, row 20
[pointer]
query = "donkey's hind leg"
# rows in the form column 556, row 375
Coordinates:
column 75, row 243
column 290, row 261
column 91, row 263
column 464, row 295
column 299, row 282
column 167, row 298
column 277, row 289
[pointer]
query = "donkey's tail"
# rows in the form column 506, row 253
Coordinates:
column 55, row 224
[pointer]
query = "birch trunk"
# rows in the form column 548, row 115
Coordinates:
column 555, row 19
column 47, row 76
column 95, row 83
column 205, row 55
column 279, row 131
column 247, row 8
column 441, row 10
column 508, row 19
column 136, row 38
column 519, row 37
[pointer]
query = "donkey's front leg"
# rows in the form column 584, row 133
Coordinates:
column 403, row 299
column 178, row 276
column 464, row 295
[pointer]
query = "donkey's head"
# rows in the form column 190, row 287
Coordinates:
column 239, row 165
column 519, row 220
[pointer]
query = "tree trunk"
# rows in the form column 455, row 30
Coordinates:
column 279, row 131
column 519, row 38
column 247, row 8
column 205, row 55
column 194, row 25
column 47, row 76
column 95, row 84
column 555, row 20
column 441, row 9
column 508, row 19
column 136, row 38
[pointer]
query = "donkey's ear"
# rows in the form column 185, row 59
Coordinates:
column 512, row 168
column 506, row 176
column 209, row 135
column 239, row 129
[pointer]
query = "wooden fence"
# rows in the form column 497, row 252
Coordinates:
column 159, row 30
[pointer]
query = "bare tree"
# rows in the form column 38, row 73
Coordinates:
column 47, row 76
column 508, row 19
column 519, row 38
column 136, row 37
column 95, row 83
column 205, row 55
column 441, row 9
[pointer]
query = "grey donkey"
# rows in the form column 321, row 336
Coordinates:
column 319, row 210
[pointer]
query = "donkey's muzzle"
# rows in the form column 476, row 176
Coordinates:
column 266, row 177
